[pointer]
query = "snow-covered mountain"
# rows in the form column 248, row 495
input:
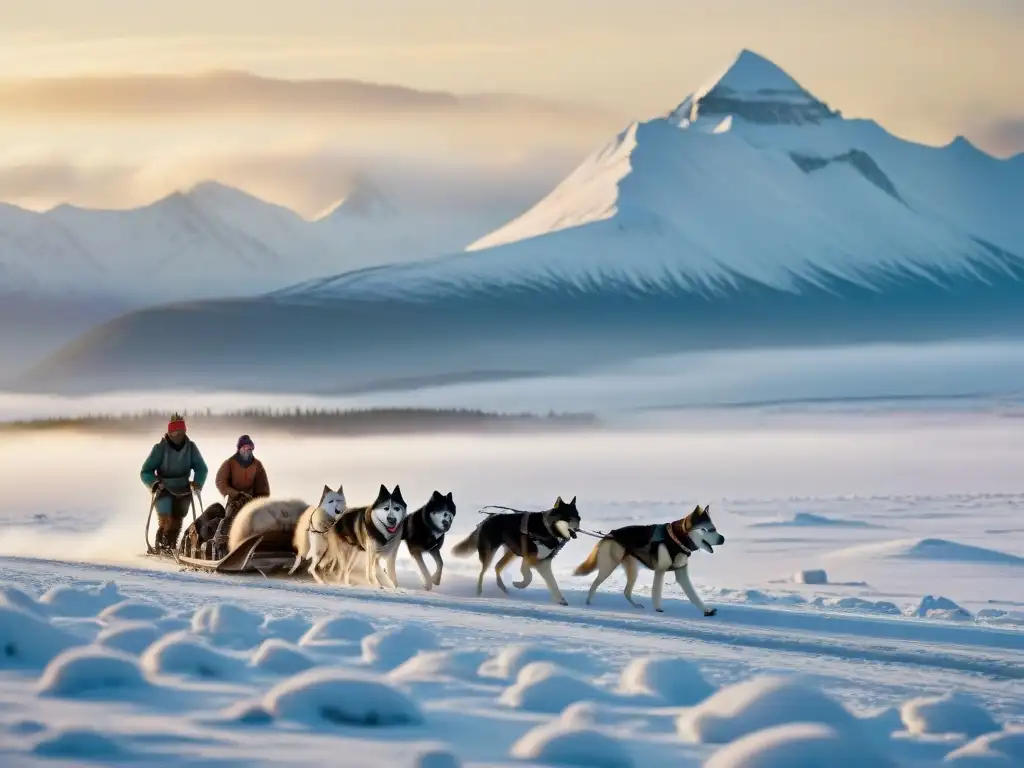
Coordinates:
column 209, row 241
column 752, row 214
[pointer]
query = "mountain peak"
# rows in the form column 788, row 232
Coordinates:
column 755, row 89
column 751, row 73
column 363, row 200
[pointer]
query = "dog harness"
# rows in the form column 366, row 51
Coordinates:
column 524, row 530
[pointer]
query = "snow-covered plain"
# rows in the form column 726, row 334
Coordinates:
column 910, row 653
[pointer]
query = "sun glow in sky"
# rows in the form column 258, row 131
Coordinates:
column 113, row 102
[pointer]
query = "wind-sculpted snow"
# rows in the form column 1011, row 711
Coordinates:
column 597, row 699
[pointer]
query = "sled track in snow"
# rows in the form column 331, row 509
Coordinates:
column 994, row 653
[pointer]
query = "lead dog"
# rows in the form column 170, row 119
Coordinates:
column 661, row 548
column 537, row 537
column 375, row 529
column 310, row 538
column 424, row 531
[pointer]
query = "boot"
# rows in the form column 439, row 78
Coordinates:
column 173, row 531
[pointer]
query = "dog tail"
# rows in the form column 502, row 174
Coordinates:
column 590, row 564
column 468, row 545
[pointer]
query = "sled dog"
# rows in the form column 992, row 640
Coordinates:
column 310, row 538
column 424, row 531
column 661, row 548
column 537, row 537
column 375, row 529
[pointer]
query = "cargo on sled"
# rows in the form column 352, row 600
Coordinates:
column 256, row 539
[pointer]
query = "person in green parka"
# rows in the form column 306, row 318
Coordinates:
column 166, row 473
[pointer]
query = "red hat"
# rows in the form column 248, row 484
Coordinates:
column 176, row 423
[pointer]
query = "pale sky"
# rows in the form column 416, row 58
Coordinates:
column 578, row 71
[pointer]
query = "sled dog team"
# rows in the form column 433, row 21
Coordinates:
column 330, row 536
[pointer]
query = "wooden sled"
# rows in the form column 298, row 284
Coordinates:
column 262, row 544
column 258, row 553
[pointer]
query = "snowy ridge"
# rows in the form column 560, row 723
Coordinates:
column 750, row 176
column 211, row 240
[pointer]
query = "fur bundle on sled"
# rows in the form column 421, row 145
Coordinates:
column 265, row 515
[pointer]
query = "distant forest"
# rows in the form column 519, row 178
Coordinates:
column 314, row 421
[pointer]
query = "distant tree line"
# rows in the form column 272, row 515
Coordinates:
column 311, row 420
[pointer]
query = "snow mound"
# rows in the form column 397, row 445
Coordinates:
column 512, row 658
column 762, row 702
column 814, row 576
column 858, row 604
column 437, row 758
column 228, row 624
column 281, row 658
column 938, row 608
column 177, row 654
column 929, row 549
column 810, row 520
column 557, row 744
column 993, row 750
column 288, row 628
column 951, row 713
column 15, row 596
column 389, row 648
column 91, row 671
column 334, row 628
column 63, row 600
column 544, row 687
column 26, row 640
column 677, row 681
column 431, row 665
column 133, row 610
column 798, row 745
column 340, row 697
column 79, row 744
column 129, row 637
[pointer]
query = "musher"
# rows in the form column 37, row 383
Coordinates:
column 166, row 473
column 242, row 477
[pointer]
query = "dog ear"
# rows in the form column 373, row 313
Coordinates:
column 449, row 497
column 573, row 502
column 324, row 494
column 707, row 509
column 558, row 503
column 396, row 496
column 382, row 493
column 436, row 495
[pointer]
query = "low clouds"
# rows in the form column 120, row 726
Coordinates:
column 152, row 96
column 307, row 181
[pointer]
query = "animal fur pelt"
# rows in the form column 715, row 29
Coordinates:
column 265, row 515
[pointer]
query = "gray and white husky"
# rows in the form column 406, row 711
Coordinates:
column 662, row 548
column 375, row 529
column 311, row 533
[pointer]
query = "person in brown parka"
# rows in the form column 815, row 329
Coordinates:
column 242, row 477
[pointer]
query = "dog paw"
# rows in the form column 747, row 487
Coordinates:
column 437, row 580
column 428, row 586
column 563, row 602
column 660, row 610
column 710, row 611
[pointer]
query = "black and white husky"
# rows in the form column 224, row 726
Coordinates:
column 423, row 532
column 661, row 548
column 537, row 537
column 375, row 529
